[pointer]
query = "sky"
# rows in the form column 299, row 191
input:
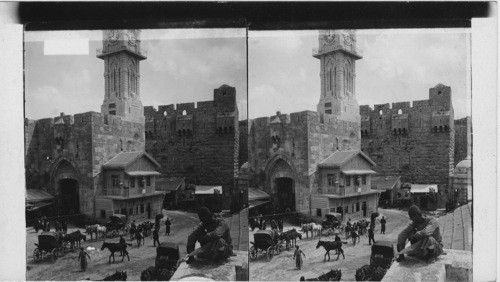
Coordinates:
column 397, row 66
column 62, row 73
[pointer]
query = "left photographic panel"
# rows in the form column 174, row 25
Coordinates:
column 135, row 152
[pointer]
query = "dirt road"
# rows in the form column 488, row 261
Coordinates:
column 282, row 267
column 67, row 267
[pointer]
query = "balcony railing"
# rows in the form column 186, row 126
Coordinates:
column 120, row 192
column 350, row 49
column 137, row 50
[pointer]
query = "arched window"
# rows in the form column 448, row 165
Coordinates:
column 184, row 112
column 400, row 112
column 380, row 112
column 335, row 81
column 164, row 113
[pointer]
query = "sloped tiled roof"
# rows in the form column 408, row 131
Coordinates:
column 125, row 158
column 384, row 182
column 169, row 184
column 338, row 158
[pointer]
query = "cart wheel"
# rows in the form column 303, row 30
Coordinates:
column 37, row 255
column 270, row 253
column 253, row 253
column 53, row 255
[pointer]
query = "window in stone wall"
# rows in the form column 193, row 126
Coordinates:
column 328, row 112
column 132, row 182
column 142, row 208
column 115, row 181
column 112, row 113
column 141, row 181
column 148, row 181
column 357, row 207
column 328, row 105
column 346, row 209
column 347, row 180
column 130, row 211
column 136, row 209
column 363, row 179
column 112, row 105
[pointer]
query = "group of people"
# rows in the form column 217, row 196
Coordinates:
column 422, row 232
column 45, row 225
column 142, row 233
column 274, row 222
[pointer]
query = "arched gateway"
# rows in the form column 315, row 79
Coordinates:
column 67, row 191
column 281, row 178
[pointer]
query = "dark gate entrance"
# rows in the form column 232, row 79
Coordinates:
column 286, row 195
column 364, row 209
column 70, row 200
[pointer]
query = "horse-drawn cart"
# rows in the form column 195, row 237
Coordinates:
column 265, row 241
column 115, row 225
column 332, row 220
column 166, row 263
column 49, row 243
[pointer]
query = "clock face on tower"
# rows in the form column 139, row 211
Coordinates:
column 112, row 36
column 329, row 37
column 132, row 37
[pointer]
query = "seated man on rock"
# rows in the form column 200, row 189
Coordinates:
column 214, row 237
column 423, row 234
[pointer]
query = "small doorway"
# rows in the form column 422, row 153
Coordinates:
column 364, row 209
column 149, row 210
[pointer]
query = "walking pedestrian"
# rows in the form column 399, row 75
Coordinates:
column 65, row 226
column 156, row 237
column 122, row 241
column 337, row 239
column 138, row 237
column 167, row 226
column 82, row 257
column 297, row 256
column 382, row 225
column 280, row 224
column 371, row 236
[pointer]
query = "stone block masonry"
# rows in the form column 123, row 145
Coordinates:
column 416, row 142
column 199, row 142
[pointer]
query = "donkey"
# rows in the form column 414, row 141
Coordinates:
column 116, row 247
column 329, row 245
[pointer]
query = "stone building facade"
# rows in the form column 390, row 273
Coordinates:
column 285, row 150
column 198, row 142
column 65, row 155
column 463, row 139
column 413, row 140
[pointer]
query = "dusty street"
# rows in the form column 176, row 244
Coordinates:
column 67, row 267
column 282, row 267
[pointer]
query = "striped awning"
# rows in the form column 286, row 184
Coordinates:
column 142, row 173
column 254, row 204
column 38, row 195
column 358, row 171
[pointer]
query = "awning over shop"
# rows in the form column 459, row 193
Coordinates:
column 254, row 204
column 358, row 171
column 257, row 194
column 142, row 173
column 207, row 190
column 37, row 205
column 37, row 195
column 423, row 188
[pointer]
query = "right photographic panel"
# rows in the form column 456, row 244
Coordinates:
column 359, row 155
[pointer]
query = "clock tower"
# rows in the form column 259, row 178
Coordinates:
column 121, row 52
column 337, row 53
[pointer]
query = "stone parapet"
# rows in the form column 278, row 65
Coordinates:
column 453, row 265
